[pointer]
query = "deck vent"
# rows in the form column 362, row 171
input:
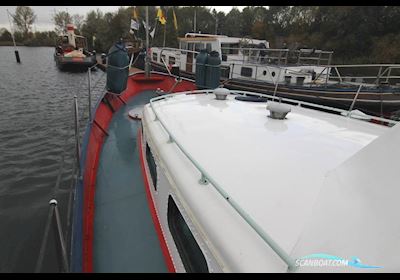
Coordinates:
column 221, row 93
column 278, row 111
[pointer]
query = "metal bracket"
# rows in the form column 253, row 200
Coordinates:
column 203, row 180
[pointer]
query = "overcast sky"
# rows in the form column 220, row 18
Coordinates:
column 44, row 13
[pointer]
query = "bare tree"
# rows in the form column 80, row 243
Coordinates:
column 24, row 18
column 61, row 19
column 78, row 21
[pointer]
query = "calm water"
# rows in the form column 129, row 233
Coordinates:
column 35, row 119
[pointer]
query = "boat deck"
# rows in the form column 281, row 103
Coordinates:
column 125, row 238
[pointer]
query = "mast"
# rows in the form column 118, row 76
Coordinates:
column 194, row 27
column 12, row 36
column 146, row 59
column 216, row 25
column 165, row 26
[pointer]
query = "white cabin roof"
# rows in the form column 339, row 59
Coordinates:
column 223, row 39
column 274, row 169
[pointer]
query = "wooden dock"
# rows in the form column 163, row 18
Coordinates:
column 103, row 66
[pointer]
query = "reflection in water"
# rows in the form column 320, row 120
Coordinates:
column 36, row 117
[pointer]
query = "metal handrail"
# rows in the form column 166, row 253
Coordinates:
column 207, row 178
column 380, row 75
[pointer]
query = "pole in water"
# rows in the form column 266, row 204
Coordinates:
column 17, row 56
column 12, row 36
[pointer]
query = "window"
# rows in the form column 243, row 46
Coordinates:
column 230, row 48
column 183, row 46
column 152, row 166
column 192, row 257
column 198, row 47
column 225, row 71
column 246, row 71
column 155, row 56
column 171, row 60
column 208, row 47
column 163, row 58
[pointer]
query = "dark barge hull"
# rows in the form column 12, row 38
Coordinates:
column 72, row 64
column 375, row 101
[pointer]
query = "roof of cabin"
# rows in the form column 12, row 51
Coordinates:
column 273, row 168
column 222, row 38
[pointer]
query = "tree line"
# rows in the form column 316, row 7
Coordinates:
column 356, row 34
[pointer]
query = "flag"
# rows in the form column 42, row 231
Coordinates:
column 160, row 16
column 134, row 20
column 134, row 24
column 144, row 24
column 135, row 14
column 152, row 32
column 175, row 21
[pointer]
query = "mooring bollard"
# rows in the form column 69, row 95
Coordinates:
column 17, row 56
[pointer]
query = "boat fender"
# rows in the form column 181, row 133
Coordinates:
column 200, row 74
column 117, row 68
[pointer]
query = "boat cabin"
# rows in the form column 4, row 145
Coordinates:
column 69, row 41
column 230, row 48
column 250, row 201
column 246, row 58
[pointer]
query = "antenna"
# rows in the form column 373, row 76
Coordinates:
column 146, row 59
column 194, row 27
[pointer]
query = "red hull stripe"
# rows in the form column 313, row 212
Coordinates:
column 156, row 221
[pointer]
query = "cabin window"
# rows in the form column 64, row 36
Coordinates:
column 225, row 71
column 208, row 47
column 183, row 45
column 265, row 72
column 198, row 47
column 171, row 60
column 246, row 71
column 273, row 74
column 155, row 56
column 152, row 166
column 192, row 257
column 190, row 46
column 163, row 58
column 230, row 48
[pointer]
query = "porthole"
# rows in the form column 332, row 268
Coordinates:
column 273, row 74
column 265, row 72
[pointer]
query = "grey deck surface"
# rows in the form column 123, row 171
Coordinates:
column 125, row 239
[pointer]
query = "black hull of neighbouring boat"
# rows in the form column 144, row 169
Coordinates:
column 375, row 101
column 71, row 64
